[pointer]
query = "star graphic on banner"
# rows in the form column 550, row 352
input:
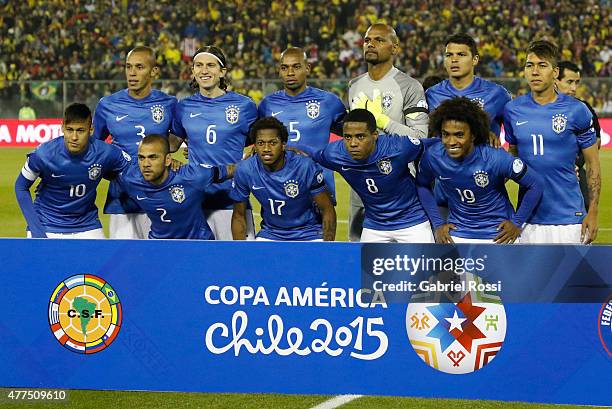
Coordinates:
column 455, row 322
column 451, row 327
column 469, row 332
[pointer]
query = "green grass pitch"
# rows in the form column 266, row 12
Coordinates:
column 13, row 225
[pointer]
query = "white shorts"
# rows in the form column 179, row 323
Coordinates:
column 129, row 226
column 264, row 239
column 88, row 234
column 421, row 233
column 551, row 234
column 474, row 241
column 220, row 222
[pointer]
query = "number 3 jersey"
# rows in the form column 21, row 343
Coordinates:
column 382, row 181
column 128, row 120
column 174, row 206
column 66, row 195
column 216, row 130
column 287, row 207
column 548, row 138
column 475, row 186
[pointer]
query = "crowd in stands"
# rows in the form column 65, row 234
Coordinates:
column 88, row 39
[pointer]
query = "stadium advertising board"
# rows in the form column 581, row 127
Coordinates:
column 16, row 133
column 480, row 322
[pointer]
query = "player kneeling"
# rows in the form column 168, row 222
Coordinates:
column 172, row 200
column 287, row 186
column 472, row 175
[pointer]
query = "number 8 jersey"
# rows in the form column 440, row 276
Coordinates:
column 216, row 130
column 548, row 138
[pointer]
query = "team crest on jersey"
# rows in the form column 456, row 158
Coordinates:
column 384, row 166
column 313, row 109
column 387, row 101
column 157, row 113
column 232, row 113
column 558, row 122
column 320, row 178
column 480, row 102
column 291, row 188
column 481, row 178
column 95, row 171
column 177, row 193
column 126, row 156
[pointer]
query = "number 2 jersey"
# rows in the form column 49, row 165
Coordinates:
column 548, row 138
column 287, row 207
column 216, row 130
column 129, row 120
column 174, row 206
column 382, row 181
column 66, row 195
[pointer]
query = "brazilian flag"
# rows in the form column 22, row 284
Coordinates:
column 44, row 90
column 110, row 293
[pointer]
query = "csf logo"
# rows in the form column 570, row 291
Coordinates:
column 85, row 314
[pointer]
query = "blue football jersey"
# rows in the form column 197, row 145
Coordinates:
column 548, row 138
column 216, row 130
column 382, row 181
column 66, row 195
column 129, row 120
column 475, row 186
column 287, row 207
column 175, row 206
column 309, row 118
column 490, row 96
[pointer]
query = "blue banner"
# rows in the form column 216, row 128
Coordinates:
column 306, row 318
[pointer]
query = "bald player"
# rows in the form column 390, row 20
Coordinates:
column 129, row 115
column 308, row 113
column 396, row 100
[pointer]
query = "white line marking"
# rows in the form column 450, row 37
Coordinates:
column 336, row 401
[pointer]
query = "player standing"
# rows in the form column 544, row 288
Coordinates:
column 547, row 130
column 171, row 199
column 399, row 104
column 376, row 167
column 460, row 60
column 215, row 122
column 567, row 83
column 472, row 175
column 287, row 186
column 70, row 169
column 309, row 113
column 129, row 115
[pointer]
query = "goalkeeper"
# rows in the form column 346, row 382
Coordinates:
column 396, row 100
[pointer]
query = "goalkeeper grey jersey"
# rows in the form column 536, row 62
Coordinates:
column 403, row 100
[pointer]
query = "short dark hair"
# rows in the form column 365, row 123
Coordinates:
column 567, row 65
column 545, row 50
column 293, row 50
column 269, row 123
column 148, row 50
column 461, row 110
column 217, row 52
column 361, row 115
column 462, row 38
column 431, row 80
column 77, row 112
column 156, row 138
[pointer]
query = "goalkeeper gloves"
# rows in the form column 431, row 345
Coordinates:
column 374, row 106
